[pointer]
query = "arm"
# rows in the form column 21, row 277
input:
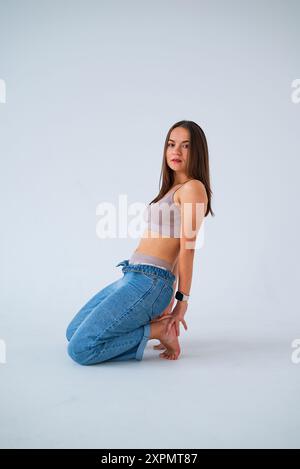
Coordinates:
column 193, row 200
column 186, row 260
column 175, row 272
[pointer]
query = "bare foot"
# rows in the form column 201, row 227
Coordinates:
column 171, row 343
column 159, row 346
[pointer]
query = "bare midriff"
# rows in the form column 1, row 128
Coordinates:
column 164, row 247
column 156, row 245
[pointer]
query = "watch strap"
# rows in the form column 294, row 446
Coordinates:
column 181, row 296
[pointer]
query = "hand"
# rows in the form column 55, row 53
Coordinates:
column 177, row 317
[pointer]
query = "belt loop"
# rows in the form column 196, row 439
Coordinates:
column 148, row 270
column 124, row 262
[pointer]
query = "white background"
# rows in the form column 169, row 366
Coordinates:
column 92, row 88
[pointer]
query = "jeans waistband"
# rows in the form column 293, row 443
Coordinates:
column 148, row 269
column 141, row 258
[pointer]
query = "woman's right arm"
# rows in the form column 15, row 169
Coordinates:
column 175, row 272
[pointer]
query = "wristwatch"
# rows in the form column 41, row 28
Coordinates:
column 181, row 296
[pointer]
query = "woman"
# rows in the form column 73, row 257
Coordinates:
column 116, row 323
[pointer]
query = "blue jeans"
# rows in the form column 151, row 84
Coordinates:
column 114, row 324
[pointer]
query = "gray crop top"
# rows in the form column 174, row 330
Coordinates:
column 164, row 217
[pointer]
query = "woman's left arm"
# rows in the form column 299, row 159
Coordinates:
column 193, row 203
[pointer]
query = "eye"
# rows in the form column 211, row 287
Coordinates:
column 186, row 145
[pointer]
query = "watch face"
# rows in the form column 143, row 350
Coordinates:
column 179, row 296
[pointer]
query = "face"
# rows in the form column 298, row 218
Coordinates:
column 178, row 150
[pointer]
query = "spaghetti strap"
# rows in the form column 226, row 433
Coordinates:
column 182, row 185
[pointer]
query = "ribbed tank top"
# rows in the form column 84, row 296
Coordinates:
column 163, row 217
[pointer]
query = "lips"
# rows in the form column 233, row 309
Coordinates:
column 176, row 160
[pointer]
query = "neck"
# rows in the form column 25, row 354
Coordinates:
column 181, row 180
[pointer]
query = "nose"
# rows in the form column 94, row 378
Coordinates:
column 176, row 151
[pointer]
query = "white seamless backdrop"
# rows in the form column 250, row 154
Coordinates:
column 91, row 89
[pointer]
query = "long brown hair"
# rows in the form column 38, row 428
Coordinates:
column 197, row 162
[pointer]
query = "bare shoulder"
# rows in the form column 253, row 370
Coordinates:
column 192, row 190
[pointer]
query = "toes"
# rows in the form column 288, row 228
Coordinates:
column 159, row 347
column 165, row 355
column 169, row 356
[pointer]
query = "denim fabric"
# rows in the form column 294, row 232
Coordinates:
column 114, row 325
